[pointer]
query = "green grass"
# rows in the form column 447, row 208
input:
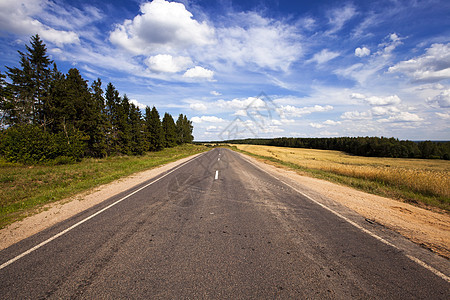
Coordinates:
column 25, row 189
column 373, row 186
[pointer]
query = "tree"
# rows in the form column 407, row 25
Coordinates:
column 154, row 130
column 6, row 104
column 137, row 130
column 30, row 83
column 170, row 134
column 184, row 130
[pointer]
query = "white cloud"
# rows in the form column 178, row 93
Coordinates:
column 21, row 17
column 402, row 117
column 383, row 101
column 139, row 105
column 167, row 63
column 331, row 122
column 338, row 17
column 250, row 40
column 324, row 56
column 445, row 116
column 356, row 115
column 432, row 66
column 440, row 101
column 198, row 106
column 215, row 93
column 242, row 104
column 292, row 111
column 384, row 110
column 361, row 52
column 199, row 72
column 316, row 125
column 208, row 119
column 161, row 26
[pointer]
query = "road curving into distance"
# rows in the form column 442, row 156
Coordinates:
column 216, row 226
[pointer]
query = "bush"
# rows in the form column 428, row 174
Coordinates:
column 31, row 144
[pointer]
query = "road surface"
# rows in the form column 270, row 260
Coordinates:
column 215, row 227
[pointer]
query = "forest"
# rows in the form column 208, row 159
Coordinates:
column 46, row 115
column 362, row 146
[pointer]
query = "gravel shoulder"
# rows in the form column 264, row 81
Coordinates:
column 428, row 228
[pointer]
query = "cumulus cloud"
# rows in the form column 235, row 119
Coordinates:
column 445, row 116
column 331, row 122
column 440, row 101
column 251, row 40
column 207, row 119
column 198, row 106
column 361, row 52
column 138, row 104
column 433, row 66
column 215, row 93
column 167, row 63
column 161, row 26
column 377, row 101
column 324, row 56
column 292, row 111
column 402, row 117
column 199, row 73
column 356, row 115
column 21, row 17
column 242, row 104
column 316, row 125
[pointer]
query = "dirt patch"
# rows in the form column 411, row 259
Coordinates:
column 424, row 227
column 64, row 209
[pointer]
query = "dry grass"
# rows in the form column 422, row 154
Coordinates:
column 426, row 181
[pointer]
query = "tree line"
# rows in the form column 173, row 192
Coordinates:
column 47, row 115
column 362, row 146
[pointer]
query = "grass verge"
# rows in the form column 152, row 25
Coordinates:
column 25, row 189
column 420, row 182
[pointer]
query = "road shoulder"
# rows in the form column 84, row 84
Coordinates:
column 54, row 213
column 423, row 227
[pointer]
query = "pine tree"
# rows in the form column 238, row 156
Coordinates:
column 97, row 142
column 6, row 104
column 169, row 128
column 184, row 130
column 30, row 83
column 113, row 101
column 155, row 133
column 137, row 130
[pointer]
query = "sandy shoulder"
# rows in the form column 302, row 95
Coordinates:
column 66, row 208
column 421, row 226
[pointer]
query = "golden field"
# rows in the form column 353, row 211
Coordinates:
column 416, row 180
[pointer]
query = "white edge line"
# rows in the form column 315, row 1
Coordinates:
column 414, row 259
column 91, row 216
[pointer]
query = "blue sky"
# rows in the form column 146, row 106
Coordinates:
column 257, row 68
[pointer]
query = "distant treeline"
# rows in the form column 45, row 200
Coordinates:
column 363, row 146
column 47, row 115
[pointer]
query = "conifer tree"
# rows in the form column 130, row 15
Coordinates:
column 136, row 130
column 30, row 82
column 6, row 104
column 184, row 130
column 154, row 129
column 169, row 128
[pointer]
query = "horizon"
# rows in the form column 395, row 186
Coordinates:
column 255, row 69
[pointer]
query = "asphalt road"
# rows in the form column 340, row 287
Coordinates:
column 215, row 227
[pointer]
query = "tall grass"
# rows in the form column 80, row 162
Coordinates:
column 413, row 180
column 23, row 189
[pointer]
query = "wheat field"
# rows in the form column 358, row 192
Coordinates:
column 428, row 178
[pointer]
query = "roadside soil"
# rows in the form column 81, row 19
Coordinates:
column 428, row 228
column 53, row 213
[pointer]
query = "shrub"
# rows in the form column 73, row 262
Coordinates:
column 31, row 144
